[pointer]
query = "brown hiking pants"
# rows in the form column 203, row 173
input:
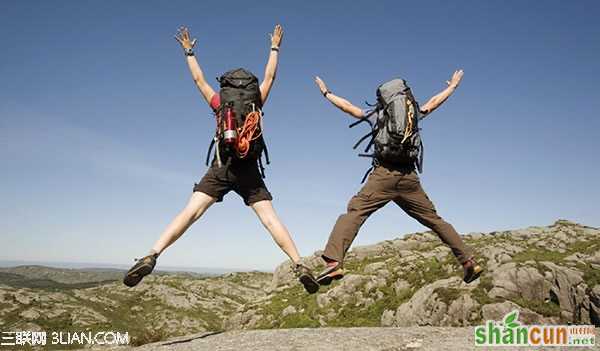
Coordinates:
column 387, row 184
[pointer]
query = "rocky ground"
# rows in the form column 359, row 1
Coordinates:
column 328, row 339
column 550, row 274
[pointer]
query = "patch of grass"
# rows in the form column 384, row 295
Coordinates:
column 357, row 266
column 584, row 246
column 427, row 271
column 547, row 309
column 591, row 276
column 298, row 320
column 481, row 292
column 537, row 254
column 296, row 297
column 369, row 316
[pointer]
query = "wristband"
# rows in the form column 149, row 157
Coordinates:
column 326, row 92
column 275, row 49
column 188, row 52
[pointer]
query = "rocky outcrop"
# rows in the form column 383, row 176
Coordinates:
column 549, row 273
column 431, row 305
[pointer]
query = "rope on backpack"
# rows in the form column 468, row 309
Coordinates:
column 409, row 128
column 248, row 134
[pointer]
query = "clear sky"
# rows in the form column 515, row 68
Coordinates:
column 103, row 133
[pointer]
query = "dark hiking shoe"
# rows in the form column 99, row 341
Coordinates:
column 142, row 268
column 306, row 278
column 334, row 271
column 472, row 270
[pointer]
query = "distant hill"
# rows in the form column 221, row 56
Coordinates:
column 551, row 274
column 60, row 275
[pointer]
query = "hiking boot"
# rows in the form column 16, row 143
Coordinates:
column 472, row 270
column 142, row 268
column 306, row 278
column 334, row 271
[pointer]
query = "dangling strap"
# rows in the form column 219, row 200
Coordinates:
column 210, row 147
column 370, row 144
column 365, row 118
column 266, row 152
column 373, row 164
column 363, row 139
column 366, row 174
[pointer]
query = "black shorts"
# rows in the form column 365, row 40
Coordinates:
column 243, row 177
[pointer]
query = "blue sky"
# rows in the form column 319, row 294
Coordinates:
column 103, row 133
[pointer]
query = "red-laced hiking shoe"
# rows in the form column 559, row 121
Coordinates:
column 472, row 270
column 334, row 271
column 142, row 268
column 306, row 278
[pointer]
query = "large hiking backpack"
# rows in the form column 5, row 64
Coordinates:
column 240, row 91
column 395, row 129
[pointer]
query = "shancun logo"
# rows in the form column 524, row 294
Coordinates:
column 510, row 332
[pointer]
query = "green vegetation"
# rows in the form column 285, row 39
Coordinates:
column 591, row 276
column 427, row 271
column 547, row 309
column 538, row 254
column 296, row 297
column 359, row 265
column 534, row 253
column 481, row 292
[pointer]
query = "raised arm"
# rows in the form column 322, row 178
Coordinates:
column 271, row 68
column 183, row 37
column 440, row 98
column 337, row 101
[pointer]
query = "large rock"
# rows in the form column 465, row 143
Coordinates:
column 511, row 281
column 426, row 307
column 594, row 295
column 569, row 291
column 497, row 311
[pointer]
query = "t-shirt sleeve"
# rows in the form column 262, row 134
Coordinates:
column 215, row 101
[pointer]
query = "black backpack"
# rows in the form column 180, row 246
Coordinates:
column 395, row 131
column 239, row 89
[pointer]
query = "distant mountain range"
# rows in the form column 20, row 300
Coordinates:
column 108, row 267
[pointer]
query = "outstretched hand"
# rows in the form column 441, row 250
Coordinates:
column 456, row 78
column 321, row 85
column 183, row 37
column 276, row 36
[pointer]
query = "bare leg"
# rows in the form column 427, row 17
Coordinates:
column 198, row 203
column 266, row 213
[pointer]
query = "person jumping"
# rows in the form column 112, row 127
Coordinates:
column 238, row 144
column 398, row 153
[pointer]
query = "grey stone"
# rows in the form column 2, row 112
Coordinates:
column 288, row 310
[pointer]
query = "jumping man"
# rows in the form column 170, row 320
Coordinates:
column 397, row 155
column 238, row 147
